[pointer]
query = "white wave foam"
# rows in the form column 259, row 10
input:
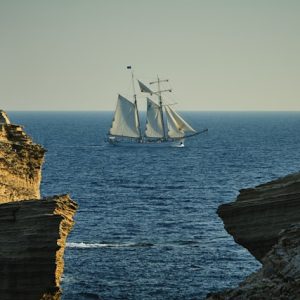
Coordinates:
column 92, row 245
column 83, row 245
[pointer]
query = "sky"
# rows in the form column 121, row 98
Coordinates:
column 218, row 54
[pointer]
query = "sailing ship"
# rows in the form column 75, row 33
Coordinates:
column 164, row 126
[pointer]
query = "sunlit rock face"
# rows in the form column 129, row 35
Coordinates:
column 4, row 117
column 20, row 163
column 266, row 221
column 32, row 233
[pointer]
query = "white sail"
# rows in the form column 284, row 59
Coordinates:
column 144, row 88
column 154, row 123
column 177, row 127
column 125, row 122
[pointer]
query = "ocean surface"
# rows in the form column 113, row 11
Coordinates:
column 147, row 227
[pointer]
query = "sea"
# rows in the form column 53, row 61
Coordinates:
column 146, row 226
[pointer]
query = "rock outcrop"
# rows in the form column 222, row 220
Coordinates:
column 33, row 233
column 20, row 163
column 266, row 221
column 4, row 117
column 259, row 214
column 279, row 277
column 32, row 238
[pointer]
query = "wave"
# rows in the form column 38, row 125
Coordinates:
column 83, row 245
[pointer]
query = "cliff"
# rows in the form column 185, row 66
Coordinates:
column 20, row 163
column 279, row 277
column 32, row 238
column 259, row 214
column 33, row 233
column 266, row 221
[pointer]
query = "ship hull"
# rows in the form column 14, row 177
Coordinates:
column 145, row 143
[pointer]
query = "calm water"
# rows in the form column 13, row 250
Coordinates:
column 147, row 227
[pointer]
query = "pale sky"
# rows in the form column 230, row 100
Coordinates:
column 218, row 54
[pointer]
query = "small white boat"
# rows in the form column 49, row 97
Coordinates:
column 164, row 127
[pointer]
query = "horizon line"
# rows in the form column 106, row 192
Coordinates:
column 65, row 110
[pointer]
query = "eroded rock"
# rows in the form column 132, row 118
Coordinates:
column 32, row 242
column 266, row 221
column 20, row 163
column 32, row 233
column 258, row 215
column 279, row 277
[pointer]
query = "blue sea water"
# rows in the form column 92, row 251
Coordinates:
column 147, row 227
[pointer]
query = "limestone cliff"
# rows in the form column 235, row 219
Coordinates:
column 32, row 238
column 20, row 163
column 33, row 233
column 259, row 214
column 279, row 277
column 266, row 221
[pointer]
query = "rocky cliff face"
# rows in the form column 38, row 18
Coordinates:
column 279, row 277
column 20, row 163
column 266, row 221
column 32, row 238
column 33, row 233
column 259, row 214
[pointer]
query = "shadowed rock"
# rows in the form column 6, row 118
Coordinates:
column 258, row 215
column 266, row 221
column 279, row 278
column 32, row 238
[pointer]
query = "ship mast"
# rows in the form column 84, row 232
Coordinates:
column 158, row 93
column 135, row 102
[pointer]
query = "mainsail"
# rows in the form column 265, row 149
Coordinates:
column 154, row 123
column 125, row 122
column 177, row 127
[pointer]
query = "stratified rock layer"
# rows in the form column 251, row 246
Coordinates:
column 266, row 221
column 258, row 215
column 32, row 233
column 32, row 242
column 279, row 278
column 20, row 163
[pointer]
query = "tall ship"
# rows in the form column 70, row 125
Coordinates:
column 164, row 126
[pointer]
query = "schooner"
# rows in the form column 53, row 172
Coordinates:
column 164, row 126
